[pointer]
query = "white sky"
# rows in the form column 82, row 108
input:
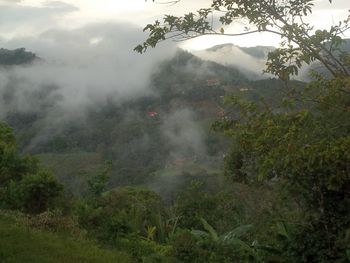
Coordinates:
column 33, row 17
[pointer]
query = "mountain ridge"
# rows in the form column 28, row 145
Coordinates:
column 19, row 56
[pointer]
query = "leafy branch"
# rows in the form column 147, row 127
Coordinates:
column 301, row 44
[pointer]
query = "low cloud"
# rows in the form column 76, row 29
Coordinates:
column 231, row 55
column 78, row 69
column 185, row 136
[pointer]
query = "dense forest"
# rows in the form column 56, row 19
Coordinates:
column 215, row 163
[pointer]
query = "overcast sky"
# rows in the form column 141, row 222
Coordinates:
column 30, row 18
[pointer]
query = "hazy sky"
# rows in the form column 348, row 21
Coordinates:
column 24, row 18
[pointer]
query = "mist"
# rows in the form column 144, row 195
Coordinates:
column 78, row 69
column 184, row 134
column 87, row 64
column 91, row 92
column 230, row 55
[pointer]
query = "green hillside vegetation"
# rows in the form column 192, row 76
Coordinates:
column 133, row 220
column 19, row 243
column 136, row 142
column 73, row 169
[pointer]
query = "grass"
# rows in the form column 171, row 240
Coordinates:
column 73, row 169
column 190, row 167
column 23, row 244
column 76, row 163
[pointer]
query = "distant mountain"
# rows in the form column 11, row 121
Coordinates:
column 319, row 68
column 345, row 46
column 259, row 52
column 16, row 57
column 162, row 139
column 249, row 60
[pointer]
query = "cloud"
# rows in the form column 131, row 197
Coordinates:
column 10, row 1
column 234, row 56
column 78, row 69
column 326, row 5
column 18, row 14
column 18, row 19
column 184, row 135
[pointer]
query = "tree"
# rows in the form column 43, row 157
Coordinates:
column 305, row 152
column 24, row 185
column 39, row 191
column 300, row 43
column 12, row 166
column 98, row 183
column 303, row 149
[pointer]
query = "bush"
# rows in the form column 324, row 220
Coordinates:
column 39, row 192
column 186, row 249
column 119, row 213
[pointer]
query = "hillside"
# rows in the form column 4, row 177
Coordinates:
column 259, row 52
column 144, row 137
column 341, row 51
column 145, row 174
column 16, row 57
column 126, row 140
column 251, row 60
column 19, row 243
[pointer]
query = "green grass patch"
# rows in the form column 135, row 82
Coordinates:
column 22, row 244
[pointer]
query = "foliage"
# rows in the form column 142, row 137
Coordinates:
column 121, row 212
column 24, row 185
column 20, row 243
column 201, row 246
column 300, row 43
column 131, row 219
column 233, row 239
column 39, row 191
column 307, row 150
column 12, row 166
column 185, row 247
column 55, row 221
column 97, row 184
column 145, row 251
column 291, row 157
column 220, row 209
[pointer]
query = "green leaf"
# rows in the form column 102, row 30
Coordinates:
column 213, row 234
